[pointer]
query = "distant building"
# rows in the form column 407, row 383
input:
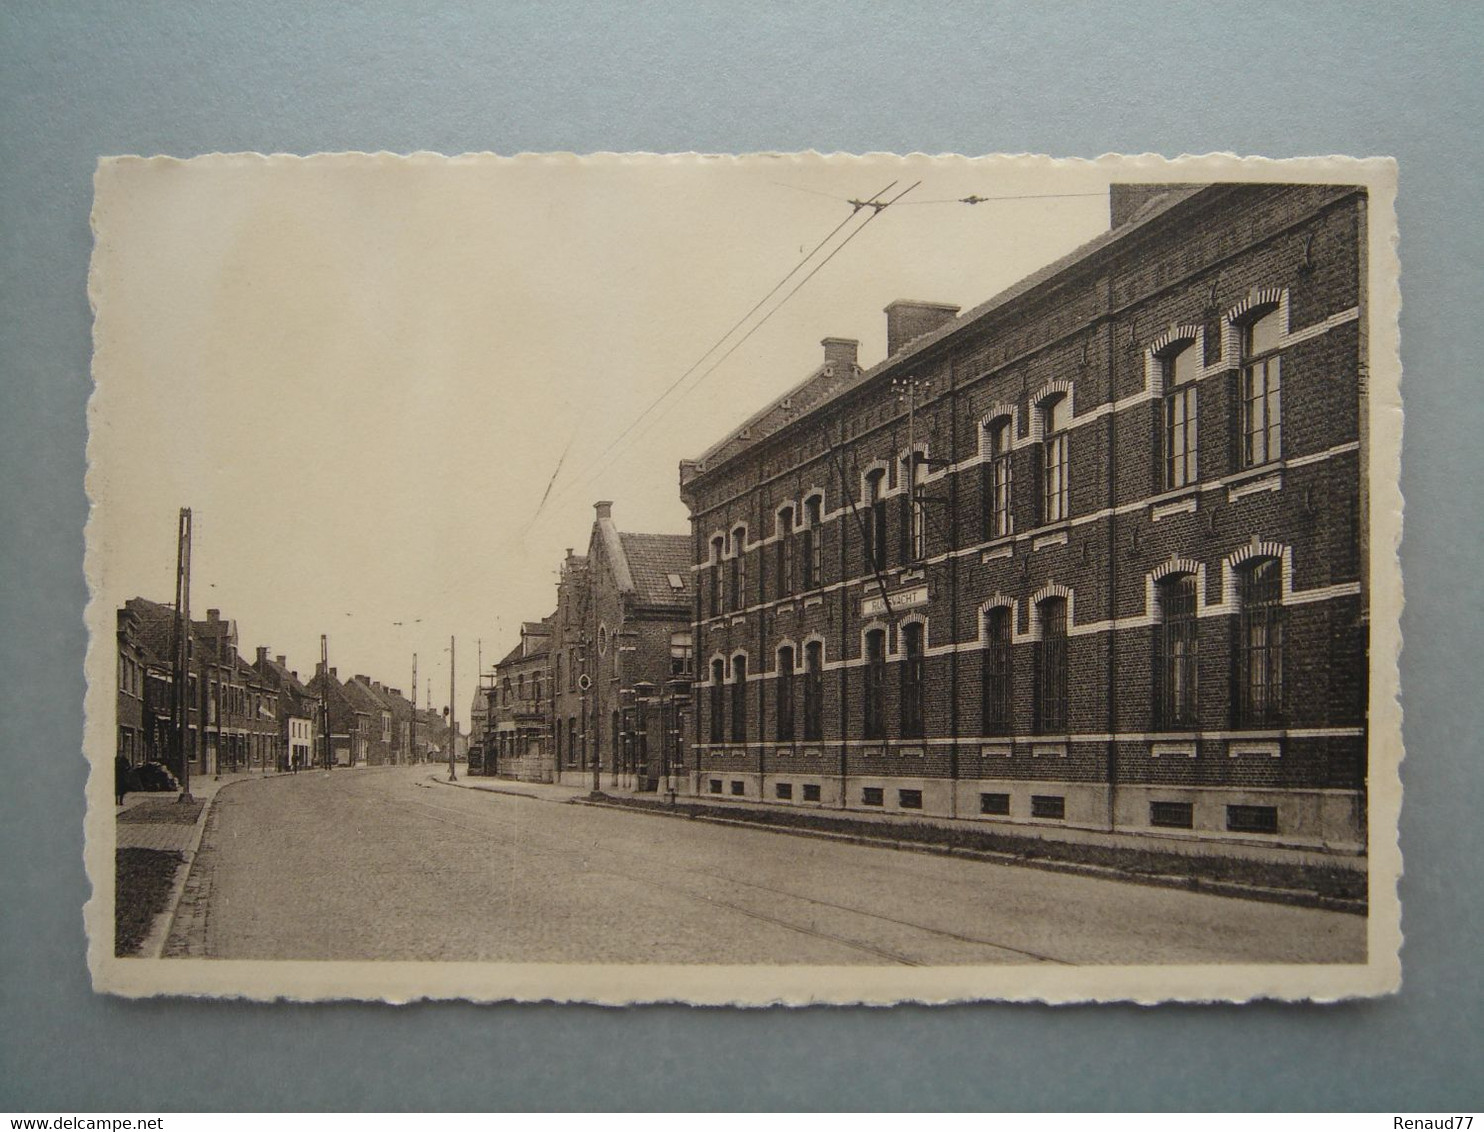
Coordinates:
column 518, row 719
column 1092, row 554
column 298, row 712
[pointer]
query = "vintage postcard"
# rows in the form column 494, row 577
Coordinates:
column 764, row 579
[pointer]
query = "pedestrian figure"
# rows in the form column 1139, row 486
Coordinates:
column 121, row 770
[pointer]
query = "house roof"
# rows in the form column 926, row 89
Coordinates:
column 658, row 567
column 804, row 400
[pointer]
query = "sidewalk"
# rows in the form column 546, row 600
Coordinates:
column 542, row 791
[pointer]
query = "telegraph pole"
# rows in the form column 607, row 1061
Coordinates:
column 180, row 703
column 324, row 699
column 412, row 727
column 453, row 719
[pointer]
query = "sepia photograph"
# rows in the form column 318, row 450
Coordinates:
column 776, row 578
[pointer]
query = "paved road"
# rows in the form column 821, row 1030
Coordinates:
column 382, row 864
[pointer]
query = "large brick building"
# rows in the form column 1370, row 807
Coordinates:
column 517, row 742
column 1091, row 554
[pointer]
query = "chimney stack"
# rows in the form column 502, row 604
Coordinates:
column 282, row 661
column 604, row 508
column 262, row 654
column 213, row 615
column 840, row 353
column 908, row 320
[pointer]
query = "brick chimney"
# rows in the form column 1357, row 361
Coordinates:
column 604, row 508
column 262, row 654
column 840, row 353
column 213, row 615
column 907, row 320
column 282, row 661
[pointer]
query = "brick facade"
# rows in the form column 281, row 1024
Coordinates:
column 1133, row 558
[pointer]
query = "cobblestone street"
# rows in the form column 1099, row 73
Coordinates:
column 386, row 864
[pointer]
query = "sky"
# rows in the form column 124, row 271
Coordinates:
column 362, row 373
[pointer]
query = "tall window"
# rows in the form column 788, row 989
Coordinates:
column 784, row 562
column 1261, row 410
column 997, row 672
column 571, row 672
column 1260, row 646
column 874, row 701
column 739, row 699
column 718, row 683
column 739, row 568
column 1056, row 414
column 812, row 542
column 997, row 472
column 1175, row 653
column 572, row 741
column 914, row 529
column 813, row 691
column 1051, row 667
column 1179, row 445
column 912, row 680
column 681, row 654
column 718, row 551
column 784, row 686
column 875, row 520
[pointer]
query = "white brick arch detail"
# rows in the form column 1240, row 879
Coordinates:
column 883, row 466
column 737, row 654
column 1170, row 568
column 1258, row 299
column 1251, row 552
column 1051, row 589
column 1048, row 392
column 998, row 411
column 1185, row 332
column 995, row 601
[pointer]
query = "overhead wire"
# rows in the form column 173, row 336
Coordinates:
column 599, row 468
column 714, row 347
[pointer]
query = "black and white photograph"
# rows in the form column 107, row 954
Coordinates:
column 780, row 578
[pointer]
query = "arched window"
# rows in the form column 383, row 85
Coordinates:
column 912, row 680
column 1175, row 653
column 1260, row 407
column 998, row 684
column 718, row 550
column 739, row 699
column 1051, row 667
column 813, row 691
column 873, row 702
column 784, row 549
column 718, row 684
column 813, row 506
column 914, row 525
column 1259, row 652
column 739, row 568
column 1056, row 415
column 875, row 521
column 1179, row 367
column 997, row 470
column 784, row 695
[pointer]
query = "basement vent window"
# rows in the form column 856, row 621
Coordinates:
column 1252, row 819
column 716, row 786
column 1048, row 806
column 909, row 799
column 811, row 792
column 994, row 804
column 784, row 790
column 738, row 788
column 873, row 796
column 1171, row 815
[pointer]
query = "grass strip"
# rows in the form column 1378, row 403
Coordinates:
column 142, row 881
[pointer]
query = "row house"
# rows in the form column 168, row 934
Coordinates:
column 1091, row 554
column 517, row 723
column 352, row 723
column 299, row 712
column 621, row 657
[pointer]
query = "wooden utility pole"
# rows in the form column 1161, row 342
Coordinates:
column 324, row 698
column 453, row 719
column 180, row 702
column 412, row 727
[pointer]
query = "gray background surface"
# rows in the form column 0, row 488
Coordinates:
column 78, row 80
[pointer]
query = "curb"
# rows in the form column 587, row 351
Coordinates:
column 1235, row 889
column 163, row 926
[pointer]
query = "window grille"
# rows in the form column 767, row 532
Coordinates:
column 1051, row 665
column 994, row 803
column 784, row 688
column 811, row 792
column 1171, row 815
column 874, row 701
column 909, row 799
column 998, row 681
column 1252, row 819
column 784, row 791
column 1048, row 806
column 1176, row 653
column 1260, row 647
column 873, row 796
column 912, row 681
